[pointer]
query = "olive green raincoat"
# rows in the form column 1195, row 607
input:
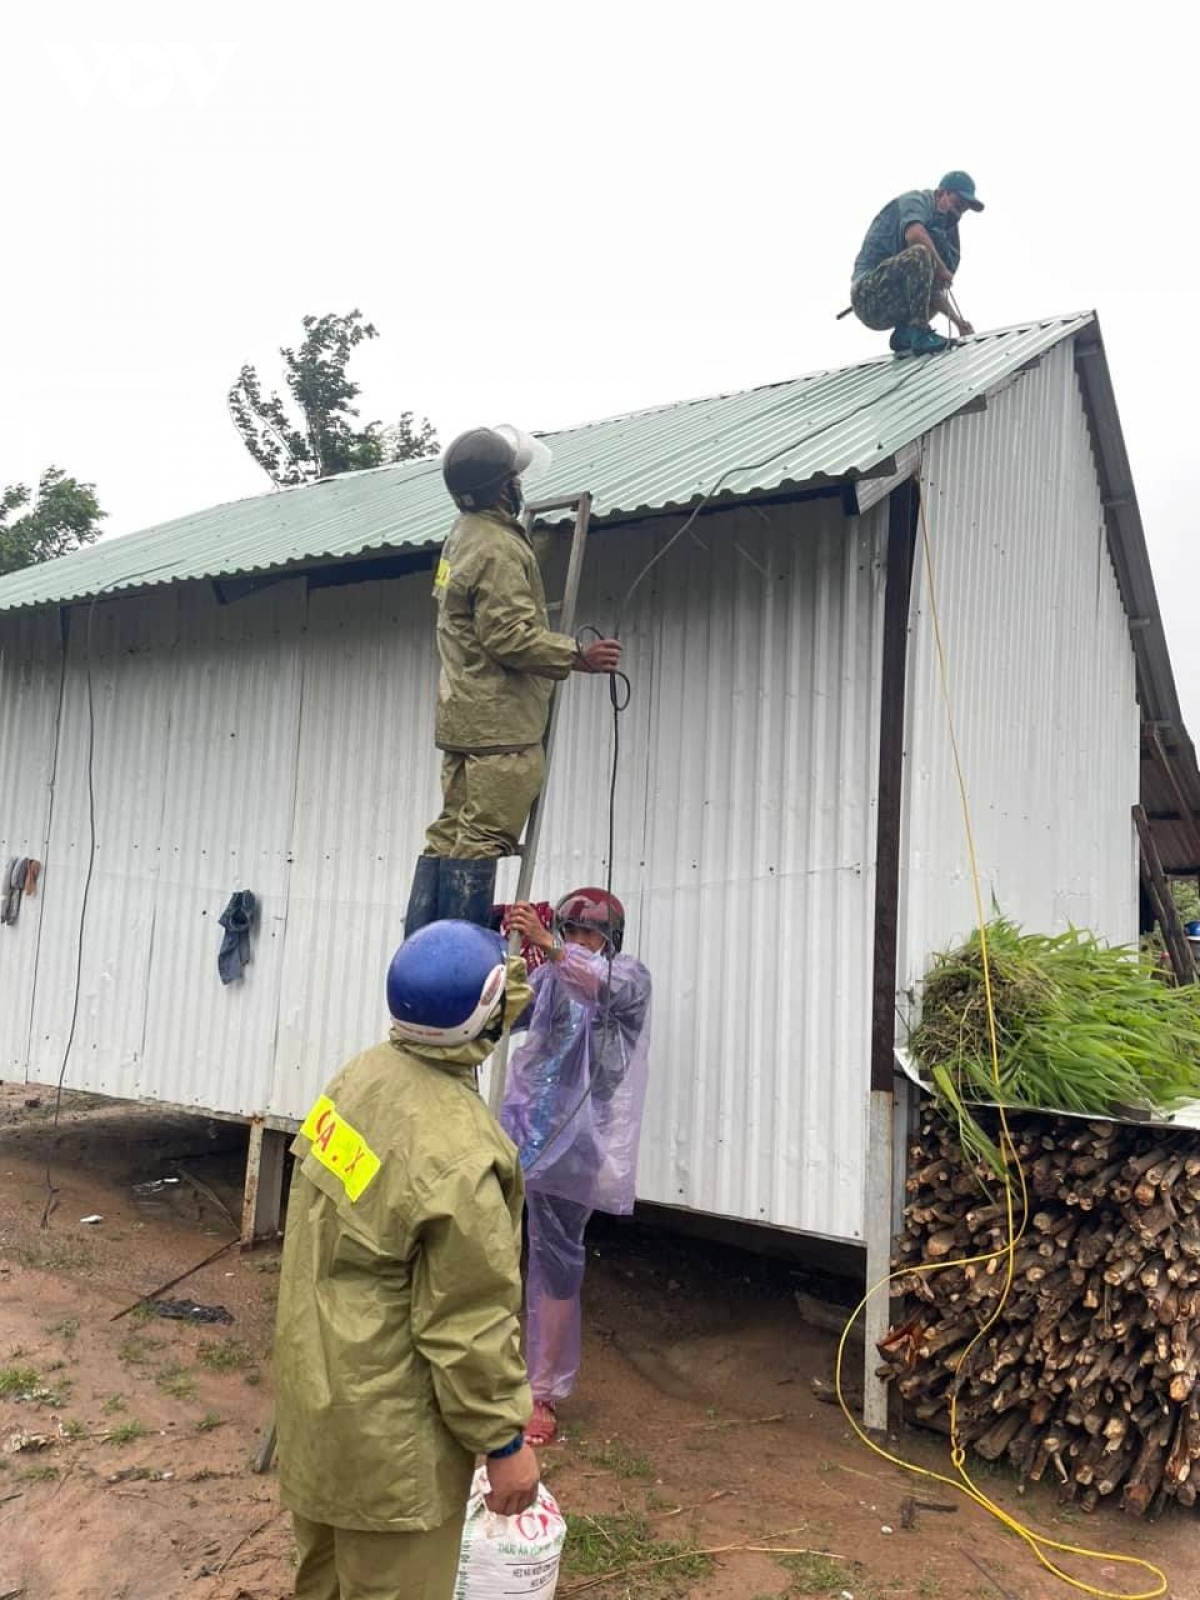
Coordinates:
column 499, row 658
column 397, row 1356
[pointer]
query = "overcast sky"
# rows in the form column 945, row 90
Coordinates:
column 555, row 212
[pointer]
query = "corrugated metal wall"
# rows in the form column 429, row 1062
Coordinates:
column 283, row 744
column 30, row 681
column 743, row 841
column 194, row 778
column 1041, row 673
column 367, row 786
column 745, row 848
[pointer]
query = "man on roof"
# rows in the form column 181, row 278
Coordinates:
column 906, row 266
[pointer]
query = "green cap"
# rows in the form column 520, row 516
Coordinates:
column 963, row 184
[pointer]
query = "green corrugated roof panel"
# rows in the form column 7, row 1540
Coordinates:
column 821, row 428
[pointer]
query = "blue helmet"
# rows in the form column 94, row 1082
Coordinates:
column 446, row 982
column 1192, row 929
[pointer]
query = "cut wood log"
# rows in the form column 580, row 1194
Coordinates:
column 1091, row 1370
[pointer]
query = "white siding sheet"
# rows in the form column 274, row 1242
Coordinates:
column 367, row 787
column 286, row 747
column 744, row 838
column 1041, row 675
column 30, row 681
column 194, row 775
column 745, row 850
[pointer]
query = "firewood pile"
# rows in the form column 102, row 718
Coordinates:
column 1090, row 1376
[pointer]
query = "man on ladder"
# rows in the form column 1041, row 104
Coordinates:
column 499, row 662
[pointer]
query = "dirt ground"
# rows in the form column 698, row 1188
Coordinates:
column 695, row 1426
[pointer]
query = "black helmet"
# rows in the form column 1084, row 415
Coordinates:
column 476, row 466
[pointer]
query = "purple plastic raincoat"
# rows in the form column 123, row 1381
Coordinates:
column 573, row 1108
column 576, row 1087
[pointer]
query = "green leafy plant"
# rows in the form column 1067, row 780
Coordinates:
column 613, row 1543
column 18, row 1380
column 812, row 1573
column 136, row 1350
column 1080, row 1026
column 175, row 1379
column 127, row 1432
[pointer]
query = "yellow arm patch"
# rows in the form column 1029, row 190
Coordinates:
column 340, row 1148
column 442, row 576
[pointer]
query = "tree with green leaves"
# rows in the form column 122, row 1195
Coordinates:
column 62, row 515
column 324, row 440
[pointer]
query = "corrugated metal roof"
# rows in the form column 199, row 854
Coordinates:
column 809, row 430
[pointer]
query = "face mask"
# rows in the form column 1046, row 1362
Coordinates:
column 512, row 500
column 593, row 957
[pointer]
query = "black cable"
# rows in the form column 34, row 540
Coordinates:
column 620, row 692
column 617, row 681
column 754, row 466
column 619, row 705
column 51, row 1192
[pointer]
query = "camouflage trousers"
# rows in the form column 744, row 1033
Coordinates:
column 349, row 1564
column 485, row 802
column 897, row 292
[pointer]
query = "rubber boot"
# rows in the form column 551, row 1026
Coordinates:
column 466, row 890
column 423, row 897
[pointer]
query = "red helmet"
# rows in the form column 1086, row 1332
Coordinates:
column 595, row 910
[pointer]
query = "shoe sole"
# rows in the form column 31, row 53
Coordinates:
column 906, row 355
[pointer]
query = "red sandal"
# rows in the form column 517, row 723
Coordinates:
column 543, row 1425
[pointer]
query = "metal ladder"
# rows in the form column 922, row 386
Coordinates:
column 581, row 504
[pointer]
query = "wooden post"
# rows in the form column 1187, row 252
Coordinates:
column 262, row 1199
column 903, row 508
column 1159, row 890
